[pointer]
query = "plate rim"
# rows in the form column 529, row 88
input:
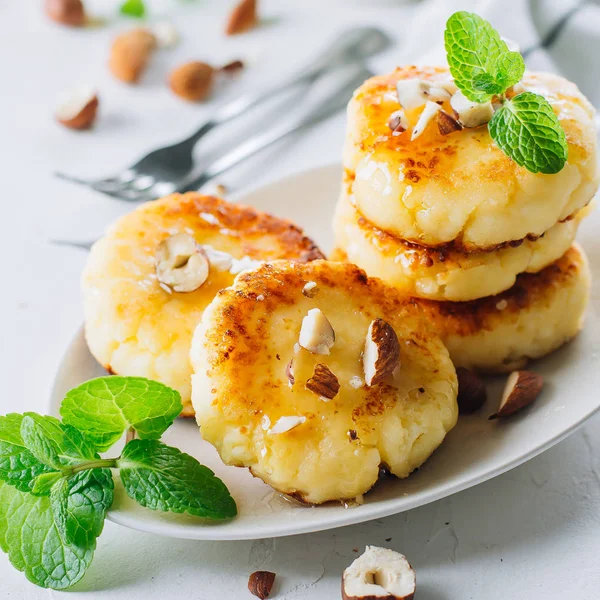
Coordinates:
column 351, row 516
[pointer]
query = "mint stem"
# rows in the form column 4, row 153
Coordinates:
column 101, row 463
column 130, row 435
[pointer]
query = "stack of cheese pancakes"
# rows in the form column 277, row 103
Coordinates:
column 432, row 206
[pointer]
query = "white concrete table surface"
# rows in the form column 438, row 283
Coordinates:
column 532, row 533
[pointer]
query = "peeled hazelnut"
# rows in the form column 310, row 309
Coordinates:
column 522, row 388
column 78, row 110
column 471, row 391
column 316, row 333
column 66, row 12
column 447, row 123
column 242, row 18
column 261, row 583
column 130, row 54
column 192, row 81
column 381, row 356
column 323, row 382
column 379, row 574
column 181, row 264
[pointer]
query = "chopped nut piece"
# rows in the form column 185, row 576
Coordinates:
column 166, row 34
column 356, row 382
column 232, row 67
column 381, row 356
column 181, row 264
column 285, row 424
column 192, row 81
column 316, row 333
column 522, row 388
column 323, row 382
column 447, row 123
column 429, row 112
column 66, row 12
column 242, row 18
column 261, row 583
column 469, row 113
column 379, row 574
column 79, row 109
column 310, row 289
column 130, row 54
column 289, row 372
column 398, row 122
column 413, row 93
column 471, row 391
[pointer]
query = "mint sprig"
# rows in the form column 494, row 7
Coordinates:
column 55, row 490
column 106, row 407
column 525, row 128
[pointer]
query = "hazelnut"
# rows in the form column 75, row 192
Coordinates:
column 447, row 123
column 316, row 333
column 323, row 382
column 130, row 54
column 381, row 356
column 66, row 12
column 429, row 113
column 242, row 18
column 379, row 574
column 310, row 289
column 471, row 391
column 192, row 81
column 261, row 583
column 522, row 388
column 78, row 109
column 181, row 264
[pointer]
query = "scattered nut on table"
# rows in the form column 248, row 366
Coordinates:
column 78, row 109
column 242, row 18
column 522, row 388
column 66, row 12
column 130, row 54
column 192, row 81
column 261, row 583
column 381, row 355
column 471, row 391
column 181, row 264
column 379, row 574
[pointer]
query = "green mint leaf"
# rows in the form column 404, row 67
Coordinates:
column 18, row 466
column 133, row 8
column 475, row 49
column 30, row 537
column 104, row 408
column 510, row 67
column 44, row 482
column 54, row 444
column 527, row 130
column 164, row 478
column 484, row 82
column 79, row 505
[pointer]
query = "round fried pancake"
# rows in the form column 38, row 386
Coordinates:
column 537, row 315
column 330, row 448
column 461, row 187
column 135, row 325
column 444, row 273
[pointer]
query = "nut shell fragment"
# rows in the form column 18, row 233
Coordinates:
column 324, row 383
column 522, row 388
column 381, row 356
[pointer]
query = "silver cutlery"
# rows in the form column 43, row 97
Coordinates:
column 171, row 168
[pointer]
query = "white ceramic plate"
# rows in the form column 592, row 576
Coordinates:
column 476, row 450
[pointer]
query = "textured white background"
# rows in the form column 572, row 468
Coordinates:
column 532, row 533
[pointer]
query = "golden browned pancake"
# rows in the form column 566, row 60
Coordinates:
column 534, row 317
column 317, row 446
column 444, row 273
column 461, row 187
column 135, row 325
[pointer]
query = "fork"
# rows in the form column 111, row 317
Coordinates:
column 169, row 169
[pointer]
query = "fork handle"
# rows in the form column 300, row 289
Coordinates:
column 352, row 45
column 335, row 101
